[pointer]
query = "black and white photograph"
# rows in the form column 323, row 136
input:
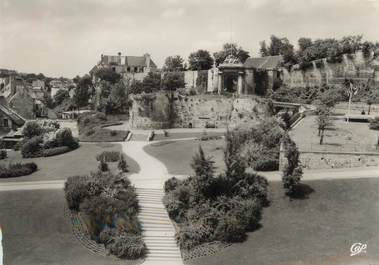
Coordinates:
column 189, row 132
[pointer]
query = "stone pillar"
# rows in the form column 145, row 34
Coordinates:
column 220, row 83
column 239, row 85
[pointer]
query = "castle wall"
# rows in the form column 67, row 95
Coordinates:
column 153, row 111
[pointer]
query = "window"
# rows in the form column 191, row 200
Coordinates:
column 6, row 123
column 128, row 69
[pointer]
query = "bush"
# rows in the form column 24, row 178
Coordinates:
column 32, row 147
column 103, row 166
column 3, row 154
column 171, row 184
column 122, row 164
column 76, row 190
column 32, row 129
column 17, row 170
column 374, row 123
column 64, row 138
column 127, row 246
column 55, row 151
column 109, row 156
column 113, row 133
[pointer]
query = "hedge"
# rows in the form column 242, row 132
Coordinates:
column 17, row 170
column 55, row 151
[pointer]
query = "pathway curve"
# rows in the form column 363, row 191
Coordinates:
column 158, row 231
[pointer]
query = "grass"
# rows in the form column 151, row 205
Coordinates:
column 92, row 129
column 177, row 155
column 342, row 137
column 36, row 231
column 78, row 162
column 318, row 230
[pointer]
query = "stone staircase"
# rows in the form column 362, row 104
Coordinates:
column 157, row 228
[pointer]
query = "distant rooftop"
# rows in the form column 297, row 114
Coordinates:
column 268, row 62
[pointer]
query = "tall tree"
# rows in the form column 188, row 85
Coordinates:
column 304, row 43
column 61, row 95
column 83, row 91
column 231, row 48
column 151, row 82
column 172, row 81
column 200, row 60
column 174, row 63
column 263, row 50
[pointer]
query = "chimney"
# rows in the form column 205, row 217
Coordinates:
column 147, row 60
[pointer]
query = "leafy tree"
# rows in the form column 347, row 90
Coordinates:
column 83, row 91
column 151, row 82
column 200, row 60
column 107, row 74
column 136, row 87
column 304, row 43
column 230, row 48
column 174, row 63
column 61, row 95
column 350, row 44
column 48, row 100
column 32, row 129
column 323, row 120
column 264, row 50
column 172, row 81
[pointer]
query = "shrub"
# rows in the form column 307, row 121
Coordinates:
column 128, row 246
column 32, row 129
column 374, row 123
column 17, row 170
column 113, row 133
column 55, row 151
column 171, row 184
column 76, row 190
column 109, row 156
column 64, row 138
column 103, row 166
column 3, row 154
column 32, row 147
column 122, row 164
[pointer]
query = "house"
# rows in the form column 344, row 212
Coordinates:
column 254, row 77
column 9, row 118
column 134, row 67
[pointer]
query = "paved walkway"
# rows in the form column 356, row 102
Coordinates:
column 158, row 231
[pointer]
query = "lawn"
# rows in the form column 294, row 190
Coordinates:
column 318, row 230
column 78, row 162
column 342, row 136
column 36, row 231
column 177, row 155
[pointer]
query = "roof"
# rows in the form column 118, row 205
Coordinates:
column 268, row 62
column 129, row 60
column 15, row 117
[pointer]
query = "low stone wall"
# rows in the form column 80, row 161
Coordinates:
column 338, row 160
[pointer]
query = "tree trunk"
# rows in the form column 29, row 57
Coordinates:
column 369, row 109
column 322, row 137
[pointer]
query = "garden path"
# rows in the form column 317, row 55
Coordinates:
column 158, row 230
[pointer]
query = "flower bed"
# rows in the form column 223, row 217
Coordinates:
column 109, row 206
column 17, row 170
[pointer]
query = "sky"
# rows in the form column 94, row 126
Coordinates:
column 67, row 37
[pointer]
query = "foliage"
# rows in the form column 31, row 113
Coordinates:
column 60, row 96
column 122, row 164
column 32, row 129
column 110, row 205
column 55, row 151
column 279, row 46
column 374, row 123
column 83, row 91
column 230, row 48
column 292, row 171
column 200, row 60
column 174, row 63
column 173, row 81
column 323, row 120
column 113, row 98
column 3, row 154
column 109, row 156
column 32, row 147
column 103, row 166
column 64, row 138
column 211, row 208
column 17, row 170
column 151, row 82
column 107, row 74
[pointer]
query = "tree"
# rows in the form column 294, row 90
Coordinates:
column 200, row 60
column 204, row 169
column 172, row 81
column 292, row 171
column 323, row 120
column 263, row 50
column 230, row 48
column 135, row 87
column 151, row 82
column 304, row 43
column 60, row 96
column 235, row 165
column 107, row 74
column 83, row 91
column 174, row 63
column 47, row 100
